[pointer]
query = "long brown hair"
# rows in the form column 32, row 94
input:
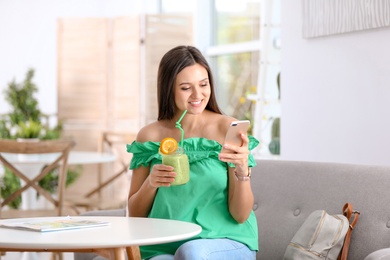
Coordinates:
column 171, row 64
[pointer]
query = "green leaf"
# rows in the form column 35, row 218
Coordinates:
column 9, row 184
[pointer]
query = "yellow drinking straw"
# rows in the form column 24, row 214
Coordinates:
column 178, row 125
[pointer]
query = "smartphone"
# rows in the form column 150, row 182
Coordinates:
column 233, row 134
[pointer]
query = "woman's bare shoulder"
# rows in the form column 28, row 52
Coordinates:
column 150, row 132
column 223, row 122
column 219, row 125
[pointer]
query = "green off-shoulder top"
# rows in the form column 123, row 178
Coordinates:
column 203, row 200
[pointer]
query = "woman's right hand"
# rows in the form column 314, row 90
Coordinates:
column 144, row 185
column 161, row 176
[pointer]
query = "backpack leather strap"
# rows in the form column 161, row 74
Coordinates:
column 349, row 213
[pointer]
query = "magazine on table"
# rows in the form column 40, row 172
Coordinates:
column 55, row 224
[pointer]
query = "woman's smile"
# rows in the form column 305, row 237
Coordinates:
column 195, row 103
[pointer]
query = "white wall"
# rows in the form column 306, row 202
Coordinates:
column 335, row 94
column 28, row 33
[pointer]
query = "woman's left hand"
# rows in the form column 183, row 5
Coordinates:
column 239, row 155
column 240, row 192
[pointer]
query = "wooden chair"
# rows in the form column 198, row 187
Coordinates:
column 112, row 142
column 55, row 153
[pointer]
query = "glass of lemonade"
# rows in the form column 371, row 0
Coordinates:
column 179, row 161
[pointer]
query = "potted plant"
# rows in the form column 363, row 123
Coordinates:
column 26, row 121
column 274, row 145
column 29, row 130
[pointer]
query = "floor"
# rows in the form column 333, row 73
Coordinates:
column 37, row 256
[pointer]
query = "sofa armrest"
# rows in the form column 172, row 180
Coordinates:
column 110, row 213
column 381, row 254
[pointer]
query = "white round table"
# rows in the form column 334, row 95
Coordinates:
column 121, row 233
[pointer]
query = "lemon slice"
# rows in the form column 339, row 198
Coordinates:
column 168, row 145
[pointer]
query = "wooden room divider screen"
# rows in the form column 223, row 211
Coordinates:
column 107, row 70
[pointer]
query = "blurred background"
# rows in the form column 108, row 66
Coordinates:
column 95, row 65
column 96, row 62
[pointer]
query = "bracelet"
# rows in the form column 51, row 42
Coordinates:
column 243, row 178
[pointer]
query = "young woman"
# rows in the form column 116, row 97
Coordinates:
column 218, row 197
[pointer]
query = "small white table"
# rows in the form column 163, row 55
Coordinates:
column 81, row 157
column 75, row 157
column 121, row 234
column 31, row 165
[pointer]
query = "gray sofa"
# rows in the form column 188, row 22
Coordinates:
column 286, row 192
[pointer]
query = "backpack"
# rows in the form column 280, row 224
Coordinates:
column 323, row 236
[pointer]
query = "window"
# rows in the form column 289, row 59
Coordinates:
column 245, row 54
column 236, row 21
column 177, row 6
column 235, row 79
column 241, row 40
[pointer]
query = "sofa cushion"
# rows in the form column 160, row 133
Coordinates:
column 286, row 192
column 382, row 254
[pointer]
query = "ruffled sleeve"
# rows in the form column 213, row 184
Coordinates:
column 196, row 149
column 143, row 153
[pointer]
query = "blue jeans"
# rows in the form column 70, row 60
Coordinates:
column 208, row 249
